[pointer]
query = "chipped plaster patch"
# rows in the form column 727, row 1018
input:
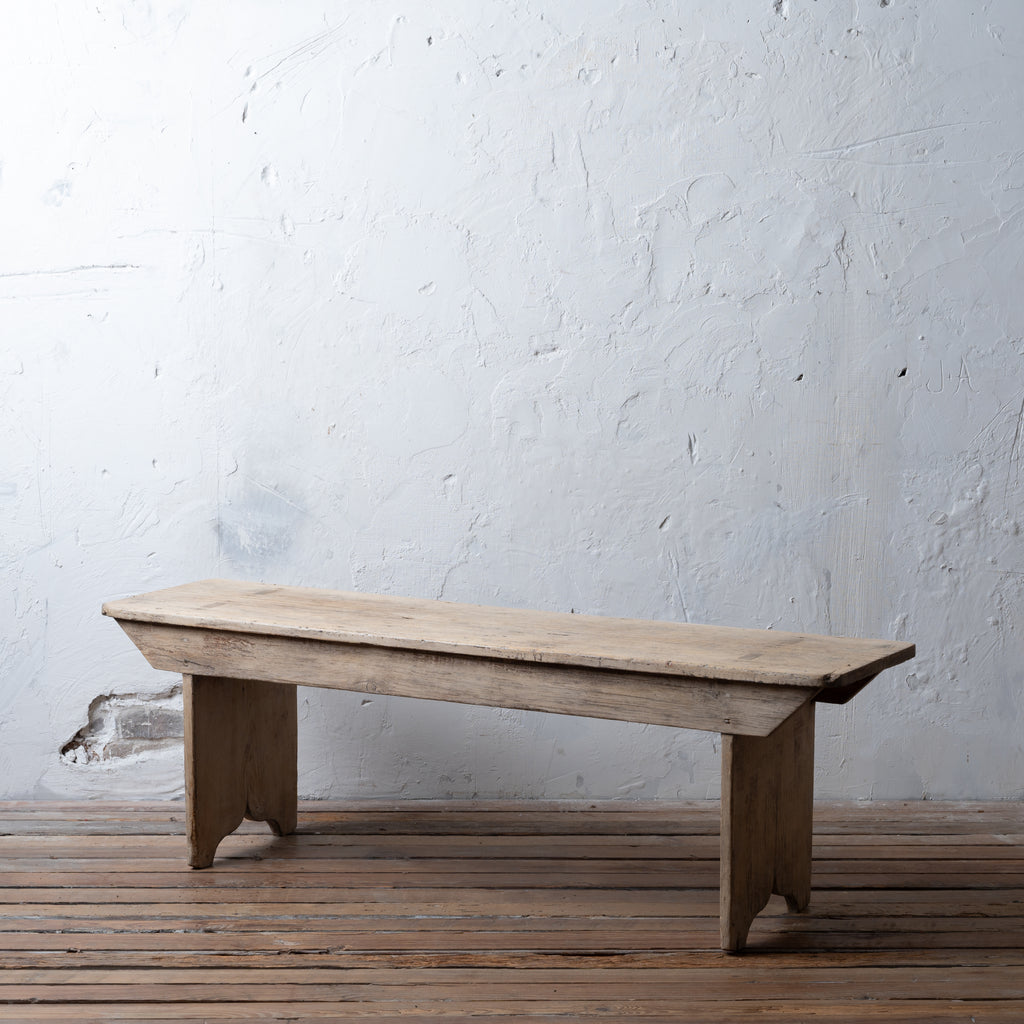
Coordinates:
column 124, row 725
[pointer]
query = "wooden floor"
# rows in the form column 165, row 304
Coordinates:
column 537, row 912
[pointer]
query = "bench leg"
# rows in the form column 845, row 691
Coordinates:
column 240, row 759
column 767, row 805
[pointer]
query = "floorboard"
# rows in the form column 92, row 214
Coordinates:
column 541, row 912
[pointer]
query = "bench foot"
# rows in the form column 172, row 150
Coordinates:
column 240, row 759
column 767, row 807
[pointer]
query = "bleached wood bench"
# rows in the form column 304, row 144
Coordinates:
column 237, row 643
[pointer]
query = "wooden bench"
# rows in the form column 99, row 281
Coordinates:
column 243, row 647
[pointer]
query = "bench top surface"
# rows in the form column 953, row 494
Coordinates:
column 634, row 645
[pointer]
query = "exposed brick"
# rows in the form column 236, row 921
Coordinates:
column 125, row 725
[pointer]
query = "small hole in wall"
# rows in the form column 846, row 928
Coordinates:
column 798, row 377
column 902, row 372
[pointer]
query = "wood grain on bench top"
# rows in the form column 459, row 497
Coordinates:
column 552, row 638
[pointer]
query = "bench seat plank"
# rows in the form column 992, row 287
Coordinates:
column 766, row 657
column 745, row 709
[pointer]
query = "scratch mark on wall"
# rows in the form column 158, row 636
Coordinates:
column 692, row 448
column 305, row 53
column 59, row 272
column 853, row 147
column 277, row 494
column 1013, row 463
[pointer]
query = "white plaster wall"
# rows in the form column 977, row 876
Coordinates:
column 704, row 311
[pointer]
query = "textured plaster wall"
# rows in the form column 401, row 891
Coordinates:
column 697, row 311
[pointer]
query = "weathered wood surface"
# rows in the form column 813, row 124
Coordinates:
column 241, row 754
column 631, row 645
column 742, row 683
column 413, row 917
column 767, row 805
column 744, row 708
